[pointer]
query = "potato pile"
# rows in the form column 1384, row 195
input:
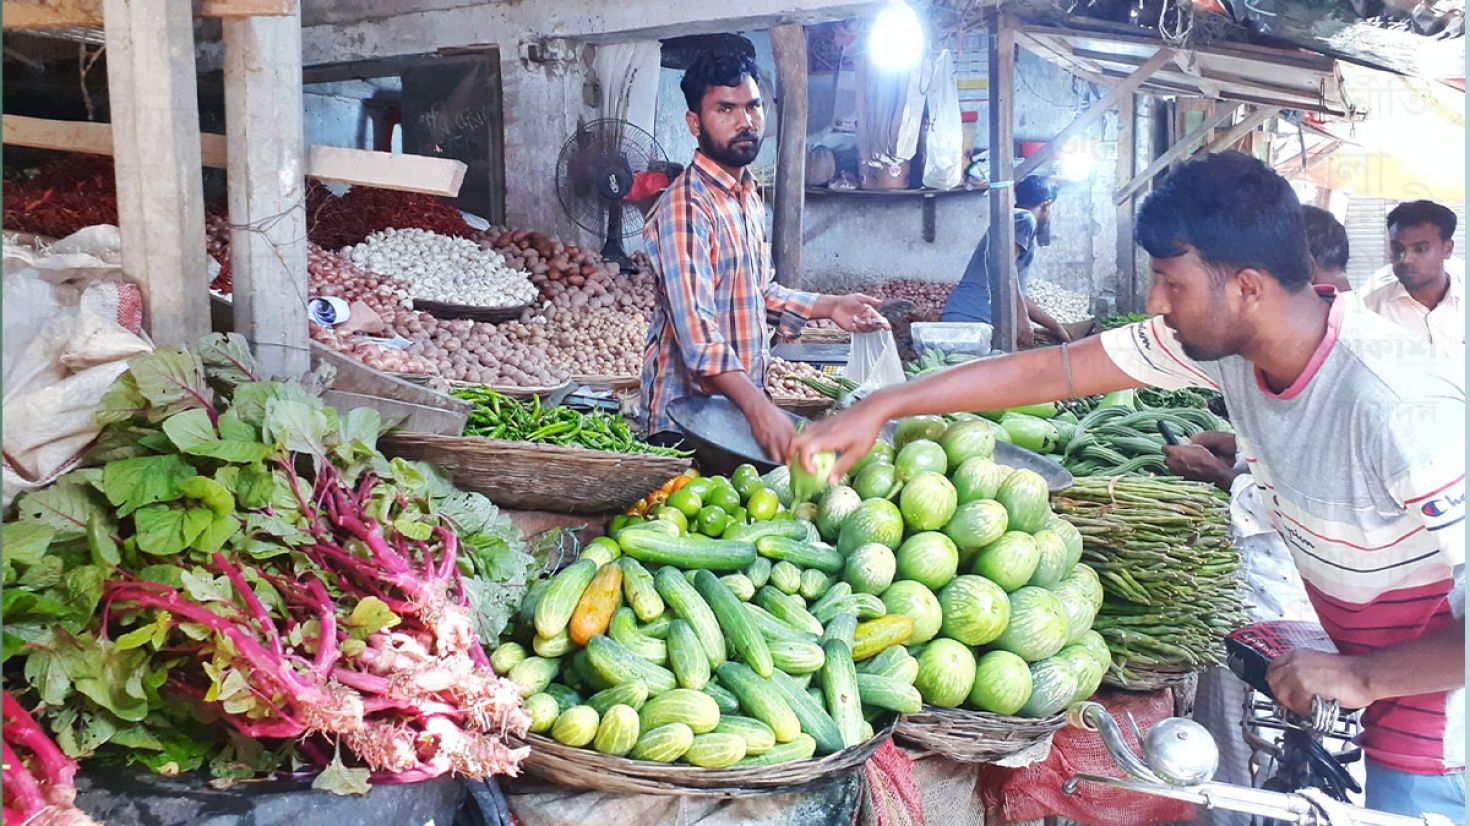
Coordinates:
column 928, row 296
column 587, row 343
column 476, row 352
column 572, row 277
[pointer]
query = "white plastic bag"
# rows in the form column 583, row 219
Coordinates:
column 944, row 158
column 873, row 363
column 80, row 324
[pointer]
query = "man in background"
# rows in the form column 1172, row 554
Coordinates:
column 1423, row 289
column 1327, row 242
column 970, row 301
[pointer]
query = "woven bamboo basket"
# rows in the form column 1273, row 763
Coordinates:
column 1145, row 678
column 587, row 769
column 974, row 736
column 527, row 476
column 803, row 406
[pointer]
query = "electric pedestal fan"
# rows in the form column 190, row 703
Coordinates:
column 595, row 173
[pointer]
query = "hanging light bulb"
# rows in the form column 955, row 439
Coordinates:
column 896, row 41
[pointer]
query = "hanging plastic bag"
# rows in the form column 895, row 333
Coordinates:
column 873, row 363
column 944, row 159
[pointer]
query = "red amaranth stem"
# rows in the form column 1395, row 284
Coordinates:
column 262, row 617
column 20, row 785
column 327, row 652
column 22, row 729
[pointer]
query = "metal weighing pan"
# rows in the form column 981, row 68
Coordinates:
column 722, row 440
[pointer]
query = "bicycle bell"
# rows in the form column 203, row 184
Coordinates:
column 1181, row 752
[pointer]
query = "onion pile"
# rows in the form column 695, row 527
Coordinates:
column 441, row 268
column 329, row 274
column 374, row 355
column 782, row 382
column 572, row 277
column 928, row 296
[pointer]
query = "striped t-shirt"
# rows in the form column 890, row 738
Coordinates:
column 1361, row 464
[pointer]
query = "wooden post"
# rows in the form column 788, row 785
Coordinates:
column 1176, row 152
column 1128, row 297
column 788, row 42
column 1002, row 253
column 160, row 189
column 263, row 120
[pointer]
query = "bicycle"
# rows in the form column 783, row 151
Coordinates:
column 1308, row 784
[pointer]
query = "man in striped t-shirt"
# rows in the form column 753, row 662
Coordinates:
column 1353, row 431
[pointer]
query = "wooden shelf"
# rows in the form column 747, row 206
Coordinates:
column 894, row 193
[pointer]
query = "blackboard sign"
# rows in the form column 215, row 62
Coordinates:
column 452, row 109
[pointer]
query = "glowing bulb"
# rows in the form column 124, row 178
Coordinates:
column 896, row 41
column 1076, row 162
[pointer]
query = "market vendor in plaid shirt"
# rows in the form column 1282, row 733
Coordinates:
column 707, row 239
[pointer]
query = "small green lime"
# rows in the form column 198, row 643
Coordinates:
column 745, row 478
column 686, row 501
column 700, row 486
column 674, row 515
column 712, row 520
column 763, row 505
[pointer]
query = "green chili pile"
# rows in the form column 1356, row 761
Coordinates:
column 497, row 416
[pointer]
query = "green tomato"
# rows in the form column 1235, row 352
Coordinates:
column 712, row 520
column 686, row 501
column 763, row 505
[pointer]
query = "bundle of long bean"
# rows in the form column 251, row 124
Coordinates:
column 497, row 416
column 1169, row 572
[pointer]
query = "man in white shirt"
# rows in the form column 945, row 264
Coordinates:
column 1423, row 289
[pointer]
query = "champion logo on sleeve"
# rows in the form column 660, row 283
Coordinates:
column 1444, row 507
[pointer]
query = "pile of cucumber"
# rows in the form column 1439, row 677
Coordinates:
column 739, row 651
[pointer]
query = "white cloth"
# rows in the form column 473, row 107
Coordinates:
column 1271, row 579
column 1443, row 327
column 79, row 325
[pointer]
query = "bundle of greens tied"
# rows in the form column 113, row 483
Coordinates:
column 1169, row 572
column 236, row 580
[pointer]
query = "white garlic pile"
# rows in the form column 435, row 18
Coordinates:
column 1059, row 302
column 441, row 268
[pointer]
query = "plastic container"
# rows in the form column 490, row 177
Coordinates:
column 970, row 338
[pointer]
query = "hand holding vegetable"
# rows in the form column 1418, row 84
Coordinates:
column 773, row 430
column 848, row 434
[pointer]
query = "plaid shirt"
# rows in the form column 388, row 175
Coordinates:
column 707, row 239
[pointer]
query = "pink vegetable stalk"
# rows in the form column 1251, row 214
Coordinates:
column 43, row 792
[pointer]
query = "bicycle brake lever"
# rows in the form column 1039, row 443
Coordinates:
column 1328, row 766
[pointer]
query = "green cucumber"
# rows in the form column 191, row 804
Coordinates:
column 760, row 699
column 735, row 622
column 814, row 584
column 815, row 720
column 842, row 627
column 686, row 656
column 839, row 686
column 839, row 591
column 773, row 628
column 878, row 691
column 801, row 748
column 633, row 694
column 758, row 736
column 657, row 629
column 800, row 554
column 687, row 552
column 559, row 600
column 638, row 590
column 784, row 607
column 618, row 665
column 756, row 530
column 739, row 585
column 759, row 572
column 797, row 657
column 785, row 577
column 728, row 703
column 691, row 607
column 624, row 630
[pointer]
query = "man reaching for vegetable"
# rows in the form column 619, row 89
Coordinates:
column 707, row 239
column 1354, row 433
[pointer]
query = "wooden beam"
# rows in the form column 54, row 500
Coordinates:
column 1002, row 249
column 1095, row 113
column 1249, row 124
column 51, row 14
column 788, row 43
column 1127, row 162
column 405, row 173
column 1179, row 150
column 267, row 191
column 160, row 189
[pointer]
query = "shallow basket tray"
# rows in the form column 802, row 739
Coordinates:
column 802, row 406
column 608, row 382
column 525, row 476
column 445, row 310
column 974, row 736
column 587, row 769
column 1145, row 678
